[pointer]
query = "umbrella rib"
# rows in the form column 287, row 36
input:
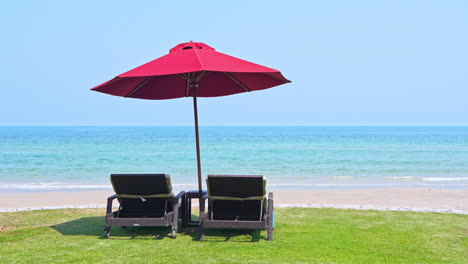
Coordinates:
column 202, row 74
column 183, row 76
column 273, row 76
column 191, row 77
column 237, row 81
column 187, row 78
column 139, row 86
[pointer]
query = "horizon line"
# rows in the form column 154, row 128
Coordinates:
column 239, row 125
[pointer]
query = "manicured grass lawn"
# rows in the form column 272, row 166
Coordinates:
column 301, row 236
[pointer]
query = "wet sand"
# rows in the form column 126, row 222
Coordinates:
column 400, row 199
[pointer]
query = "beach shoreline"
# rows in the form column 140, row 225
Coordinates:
column 421, row 199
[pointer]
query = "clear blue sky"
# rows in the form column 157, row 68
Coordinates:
column 351, row 62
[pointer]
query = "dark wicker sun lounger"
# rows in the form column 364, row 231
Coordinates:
column 145, row 200
column 237, row 202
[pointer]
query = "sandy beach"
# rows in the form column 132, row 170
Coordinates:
column 400, row 199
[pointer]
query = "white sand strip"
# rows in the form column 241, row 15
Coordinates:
column 10, row 210
column 390, row 199
column 371, row 207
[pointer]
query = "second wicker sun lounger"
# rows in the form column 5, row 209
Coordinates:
column 237, row 202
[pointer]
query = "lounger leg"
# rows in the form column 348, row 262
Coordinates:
column 175, row 220
column 201, row 231
column 270, row 233
column 271, row 216
column 270, row 227
column 174, row 225
column 108, row 212
column 202, row 216
column 106, row 232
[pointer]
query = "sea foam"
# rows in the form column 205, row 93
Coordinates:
column 440, row 179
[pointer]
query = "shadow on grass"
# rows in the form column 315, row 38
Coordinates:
column 234, row 235
column 224, row 235
column 94, row 226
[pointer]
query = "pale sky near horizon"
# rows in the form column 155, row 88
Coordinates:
column 351, row 62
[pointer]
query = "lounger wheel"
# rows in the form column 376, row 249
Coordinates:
column 106, row 232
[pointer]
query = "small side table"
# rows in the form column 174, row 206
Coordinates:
column 187, row 207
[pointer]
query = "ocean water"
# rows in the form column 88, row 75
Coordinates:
column 82, row 158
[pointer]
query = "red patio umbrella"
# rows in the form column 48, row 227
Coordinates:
column 192, row 69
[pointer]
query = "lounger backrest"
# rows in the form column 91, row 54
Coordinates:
column 144, row 185
column 236, row 186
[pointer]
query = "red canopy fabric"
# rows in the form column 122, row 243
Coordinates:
column 171, row 76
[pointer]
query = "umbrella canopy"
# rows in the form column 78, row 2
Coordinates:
column 192, row 69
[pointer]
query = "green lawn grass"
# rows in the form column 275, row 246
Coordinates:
column 301, row 236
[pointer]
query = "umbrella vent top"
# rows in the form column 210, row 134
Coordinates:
column 190, row 45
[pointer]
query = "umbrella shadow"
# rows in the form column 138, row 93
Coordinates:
column 94, row 226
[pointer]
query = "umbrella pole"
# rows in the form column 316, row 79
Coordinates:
column 197, row 136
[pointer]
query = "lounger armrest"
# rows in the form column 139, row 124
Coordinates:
column 179, row 196
column 205, row 196
column 270, row 203
column 176, row 203
column 109, row 203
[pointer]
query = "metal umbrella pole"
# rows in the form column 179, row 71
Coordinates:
column 194, row 86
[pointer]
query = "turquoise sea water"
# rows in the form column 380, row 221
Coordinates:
column 81, row 158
